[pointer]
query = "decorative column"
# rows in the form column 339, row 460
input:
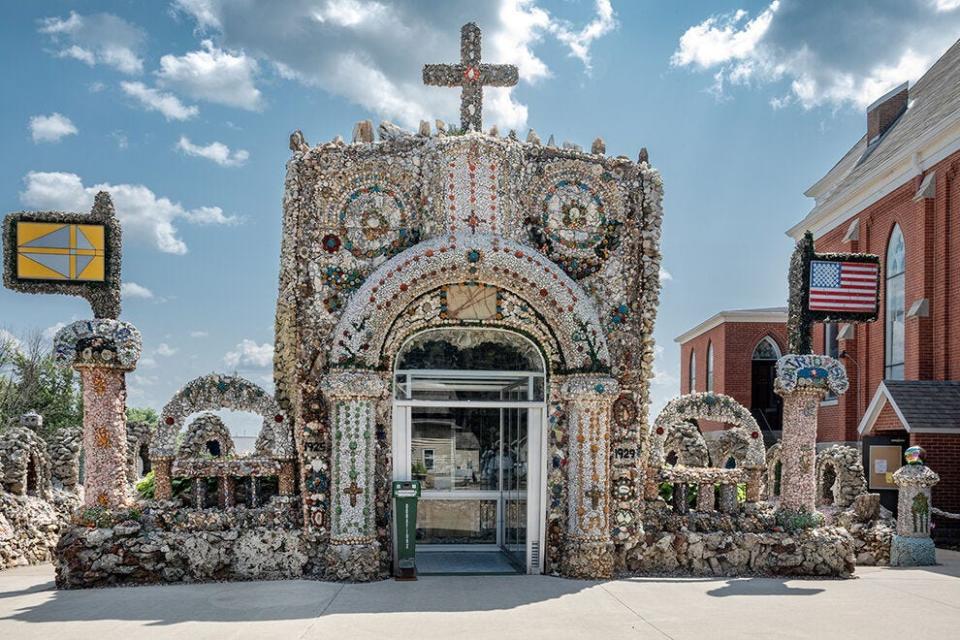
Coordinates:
column 286, row 479
column 803, row 381
column 103, row 351
column 588, row 549
column 352, row 396
column 162, row 478
column 225, row 492
column 912, row 545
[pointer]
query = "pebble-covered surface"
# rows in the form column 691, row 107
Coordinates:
column 30, row 526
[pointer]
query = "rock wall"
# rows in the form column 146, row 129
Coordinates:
column 125, row 554
column 749, row 543
column 30, row 527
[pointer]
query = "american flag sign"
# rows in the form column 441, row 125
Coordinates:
column 843, row 286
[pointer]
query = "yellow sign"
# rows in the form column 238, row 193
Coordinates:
column 55, row 251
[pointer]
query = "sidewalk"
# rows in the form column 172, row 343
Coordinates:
column 881, row 603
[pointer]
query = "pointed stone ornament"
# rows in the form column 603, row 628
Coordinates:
column 599, row 147
column 471, row 76
column 363, row 132
column 424, row 129
column 532, row 137
column 494, row 131
column 551, row 142
column 644, row 156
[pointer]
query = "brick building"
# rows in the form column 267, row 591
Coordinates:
column 896, row 193
column 734, row 353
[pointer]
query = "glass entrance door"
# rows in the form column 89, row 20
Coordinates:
column 513, row 494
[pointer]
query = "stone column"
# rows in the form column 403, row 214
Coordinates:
column 912, row 545
column 199, row 492
column 705, row 497
column 286, row 479
column 588, row 549
column 103, row 351
column 803, row 381
column 162, row 479
column 352, row 396
column 226, row 492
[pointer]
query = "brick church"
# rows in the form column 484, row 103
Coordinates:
column 896, row 194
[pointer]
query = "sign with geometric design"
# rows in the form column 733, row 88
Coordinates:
column 74, row 254
column 52, row 251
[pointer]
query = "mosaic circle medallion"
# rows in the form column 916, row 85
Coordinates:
column 577, row 218
column 375, row 222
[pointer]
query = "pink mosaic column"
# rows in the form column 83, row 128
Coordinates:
column 803, row 381
column 102, row 351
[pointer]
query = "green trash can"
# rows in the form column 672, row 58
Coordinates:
column 405, row 496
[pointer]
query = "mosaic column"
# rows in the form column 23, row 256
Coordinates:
column 912, row 545
column 803, row 381
column 102, row 351
column 352, row 396
column 588, row 548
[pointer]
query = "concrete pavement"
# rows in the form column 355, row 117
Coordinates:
column 881, row 603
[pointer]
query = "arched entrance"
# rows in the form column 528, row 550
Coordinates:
column 469, row 406
column 765, row 405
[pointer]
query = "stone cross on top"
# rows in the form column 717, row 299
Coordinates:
column 471, row 76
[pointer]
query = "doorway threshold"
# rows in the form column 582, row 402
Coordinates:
column 464, row 563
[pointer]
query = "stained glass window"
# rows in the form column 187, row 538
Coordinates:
column 895, row 306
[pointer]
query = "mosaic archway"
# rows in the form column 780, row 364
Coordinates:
column 479, row 279
column 685, row 440
column 718, row 408
column 214, row 392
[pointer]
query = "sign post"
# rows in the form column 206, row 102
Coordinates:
column 405, row 496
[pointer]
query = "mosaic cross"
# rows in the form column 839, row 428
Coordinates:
column 353, row 491
column 471, row 76
column 594, row 494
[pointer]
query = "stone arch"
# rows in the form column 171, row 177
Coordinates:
column 24, row 463
column 214, row 392
column 685, row 441
column 454, row 263
column 840, row 476
column 204, row 429
column 743, row 442
column 139, row 435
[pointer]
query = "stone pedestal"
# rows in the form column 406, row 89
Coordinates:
column 588, row 551
column 803, row 381
column 352, row 398
column 103, row 351
column 912, row 546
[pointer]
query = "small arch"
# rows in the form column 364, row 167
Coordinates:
column 143, row 460
column 33, row 480
column 777, row 478
column 827, row 481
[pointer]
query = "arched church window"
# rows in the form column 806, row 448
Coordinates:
column 766, row 349
column 693, row 372
column 710, row 366
column 895, row 306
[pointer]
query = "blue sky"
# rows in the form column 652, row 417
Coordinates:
column 184, row 108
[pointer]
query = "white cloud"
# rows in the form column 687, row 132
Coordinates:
column 249, row 353
column 665, row 275
column 164, row 350
column 153, row 100
column 214, row 75
column 142, row 213
column 51, row 128
column 9, row 341
column 371, row 52
column 664, row 386
column 215, row 151
column 134, row 290
column 101, row 38
column 199, row 334
column 823, row 53
column 51, row 331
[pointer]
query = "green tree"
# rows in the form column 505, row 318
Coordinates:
column 142, row 414
column 30, row 379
